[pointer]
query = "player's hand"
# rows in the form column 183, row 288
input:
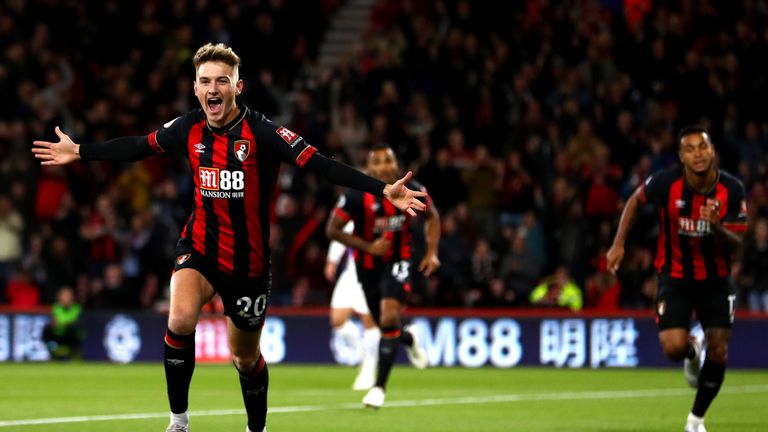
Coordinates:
column 404, row 198
column 380, row 246
column 330, row 270
column 56, row 153
column 429, row 264
column 613, row 258
column 710, row 211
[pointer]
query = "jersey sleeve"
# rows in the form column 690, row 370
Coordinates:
column 171, row 137
column 129, row 149
column 735, row 219
column 289, row 146
column 336, row 249
column 349, row 206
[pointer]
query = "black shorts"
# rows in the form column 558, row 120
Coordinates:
column 245, row 298
column 712, row 300
column 391, row 280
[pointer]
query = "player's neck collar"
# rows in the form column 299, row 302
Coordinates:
column 709, row 188
column 229, row 126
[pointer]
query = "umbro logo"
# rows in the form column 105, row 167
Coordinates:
column 375, row 207
column 199, row 148
column 679, row 203
column 175, row 362
column 254, row 392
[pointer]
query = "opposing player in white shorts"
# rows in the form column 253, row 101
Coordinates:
column 348, row 343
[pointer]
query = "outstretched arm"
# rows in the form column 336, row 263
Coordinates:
column 404, row 198
column 616, row 252
column 119, row 149
column 344, row 175
column 57, row 153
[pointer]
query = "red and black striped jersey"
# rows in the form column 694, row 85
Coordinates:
column 686, row 247
column 373, row 217
column 235, row 171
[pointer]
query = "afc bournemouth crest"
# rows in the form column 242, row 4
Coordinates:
column 242, row 149
column 661, row 307
column 182, row 259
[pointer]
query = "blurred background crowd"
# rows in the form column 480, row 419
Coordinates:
column 529, row 128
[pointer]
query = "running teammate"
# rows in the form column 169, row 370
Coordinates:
column 702, row 217
column 382, row 241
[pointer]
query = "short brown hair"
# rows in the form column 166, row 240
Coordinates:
column 217, row 53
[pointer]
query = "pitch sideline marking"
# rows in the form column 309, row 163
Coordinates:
column 625, row 394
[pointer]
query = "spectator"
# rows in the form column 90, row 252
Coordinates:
column 111, row 291
column 58, row 268
column 498, row 295
column 11, row 226
column 483, row 178
column 100, row 230
column 143, row 264
column 63, row 336
column 443, row 180
column 483, row 265
column 603, row 291
column 635, row 275
column 21, row 291
column 351, row 129
column 585, row 146
column 519, row 269
column 437, row 77
column 516, row 195
column 455, row 264
column 753, row 276
column 558, row 291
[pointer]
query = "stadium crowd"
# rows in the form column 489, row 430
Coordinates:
column 551, row 115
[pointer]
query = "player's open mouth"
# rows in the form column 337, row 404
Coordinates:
column 214, row 105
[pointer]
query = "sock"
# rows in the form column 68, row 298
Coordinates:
column 694, row 419
column 371, row 339
column 179, row 361
column 691, row 351
column 350, row 334
column 348, row 331
column 390, row 340
column 710, row 380
column 346, row 343
column 406, row 338
column 254, row 385
column 182, row 418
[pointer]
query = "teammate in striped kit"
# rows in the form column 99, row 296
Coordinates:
column 235, row 154
column 382, row 244
column 703, row 215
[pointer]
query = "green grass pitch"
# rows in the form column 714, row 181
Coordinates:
column 109, row 397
